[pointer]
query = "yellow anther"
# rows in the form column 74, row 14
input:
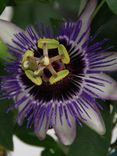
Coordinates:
column 60, row 75
column 46, row 61
column 26, row 64
column 33, row 64
column 29, row 61
column 51, row 43
column 34, row 79
column 27, row 54
column 38, row 72
column 63, row 52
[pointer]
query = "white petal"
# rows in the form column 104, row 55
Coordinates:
column 106, row 91
column 87, row 13
column 7, row 31
column 20, row 108
column 41, row 128
column 65, row 133
column 86, row 16
column 95, row 121
column 41, row 133
column 109, row 63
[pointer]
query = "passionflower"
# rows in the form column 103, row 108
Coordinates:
column 55, row 80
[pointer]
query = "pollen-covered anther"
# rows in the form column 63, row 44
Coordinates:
column 36, row 80
column 51, row 43
column 60, row 75
column 38, row 73
column 26, row 64
column 64, row 54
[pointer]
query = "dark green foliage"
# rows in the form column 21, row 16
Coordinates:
column 6, row 125
column 112, row 5
column 3, row 4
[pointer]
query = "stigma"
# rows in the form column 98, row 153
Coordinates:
column 37, row 68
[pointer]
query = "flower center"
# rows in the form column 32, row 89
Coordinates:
column 37, row 68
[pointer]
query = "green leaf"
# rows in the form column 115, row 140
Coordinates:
column 114, row 103
column 112, row 5
column 109, row 30
column 23, row 1
column 11, row 3
column 31, row 1
column 3, row 51
column 52, row 152
column 102, row 17
column 47, row 152
column 6, row 125
column 68, row 9
column 114, row 153
column 35, row 13
column 3, row 4
column 91, row 144
column 43, row 12
column 22, row 20
column 27, row 136
column 70, row 5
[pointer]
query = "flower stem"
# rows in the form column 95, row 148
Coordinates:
column 98, row 8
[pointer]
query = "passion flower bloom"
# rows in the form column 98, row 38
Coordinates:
column 55, row 80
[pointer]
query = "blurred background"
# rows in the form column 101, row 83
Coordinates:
column 19, row 141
